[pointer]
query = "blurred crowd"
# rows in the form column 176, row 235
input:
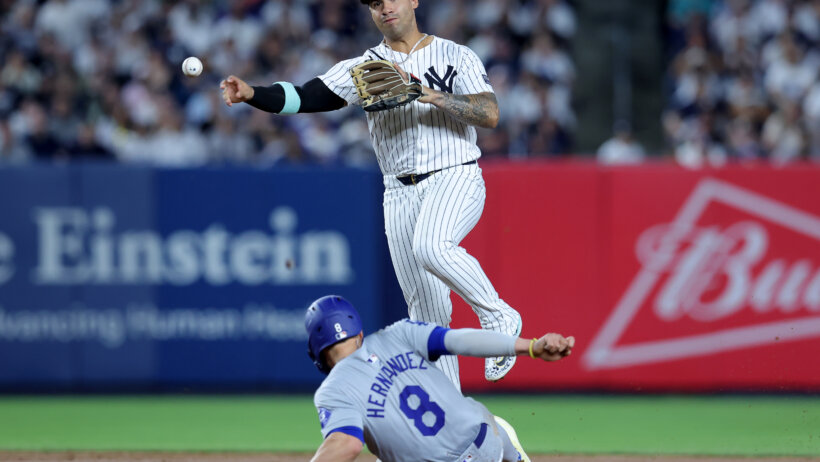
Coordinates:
column 101, row 79
column 744, row 81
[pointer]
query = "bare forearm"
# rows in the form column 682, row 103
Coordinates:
column 479, row 109
column 330, row 455
column 338, row 447
column 522, row 346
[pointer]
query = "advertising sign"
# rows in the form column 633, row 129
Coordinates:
column 135, row 277
column 671, row 280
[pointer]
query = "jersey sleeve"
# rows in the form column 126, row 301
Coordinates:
column 339, row 81
column 425, row 339
column 336, row 414
column 472, row 77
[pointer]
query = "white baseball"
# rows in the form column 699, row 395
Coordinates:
column 192, row 66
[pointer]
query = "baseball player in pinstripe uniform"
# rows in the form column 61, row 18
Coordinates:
column 434, row 190
column 381, row 390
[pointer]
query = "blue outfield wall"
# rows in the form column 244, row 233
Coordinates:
column 115, row 277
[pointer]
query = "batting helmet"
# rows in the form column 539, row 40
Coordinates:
column 328, row 321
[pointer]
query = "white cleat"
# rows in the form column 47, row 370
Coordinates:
column 522, row 456
column 496, row 367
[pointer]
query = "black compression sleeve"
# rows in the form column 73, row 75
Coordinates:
column 269, row 99
column 314, row 96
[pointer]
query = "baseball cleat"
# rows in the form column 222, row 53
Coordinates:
column 496, row 367
column 522, row 456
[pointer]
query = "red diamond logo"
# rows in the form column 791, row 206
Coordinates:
column 713, row 285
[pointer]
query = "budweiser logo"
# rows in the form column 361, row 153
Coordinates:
column 722, row 277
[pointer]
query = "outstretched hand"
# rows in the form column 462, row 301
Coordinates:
column 553, row 347
column 235, row 90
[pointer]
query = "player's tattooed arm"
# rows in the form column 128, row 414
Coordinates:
column 480, row 109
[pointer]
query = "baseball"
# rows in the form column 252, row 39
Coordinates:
column 192, row 66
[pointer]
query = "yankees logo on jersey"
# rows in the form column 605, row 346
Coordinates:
column 445, row 83
column 402, row 137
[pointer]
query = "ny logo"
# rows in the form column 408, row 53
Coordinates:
column 445, row 83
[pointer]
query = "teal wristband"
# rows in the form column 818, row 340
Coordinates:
column 292, row 100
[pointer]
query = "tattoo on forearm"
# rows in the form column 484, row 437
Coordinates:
column 480, row 109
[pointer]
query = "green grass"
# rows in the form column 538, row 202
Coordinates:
column 159, row 423
column 740, row 425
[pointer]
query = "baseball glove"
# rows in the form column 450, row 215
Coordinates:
column 382, row 87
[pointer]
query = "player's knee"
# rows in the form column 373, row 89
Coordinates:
column 424, row 257
column 430, row 254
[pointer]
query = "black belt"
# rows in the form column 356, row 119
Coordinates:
column 482, row 433
column 416, row 178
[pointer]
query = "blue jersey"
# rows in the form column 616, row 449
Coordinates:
column 389, row 395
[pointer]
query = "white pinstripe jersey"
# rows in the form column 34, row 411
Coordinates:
column 419, row 137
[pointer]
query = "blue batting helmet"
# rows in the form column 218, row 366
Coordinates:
column 328, row 321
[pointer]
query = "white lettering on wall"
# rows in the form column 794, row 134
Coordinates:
column 77, row 246
column 112, row 328
column 723, row 262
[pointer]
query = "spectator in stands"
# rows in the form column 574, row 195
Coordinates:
column 805, row 20
column 783, row 136
column 622, row 147
column 20, row 76
column 11, row 150
column 86, row 147
column 41, row 143
column 745, row 98
column 790, row 76
column 811, row 112
column 544, row 59
column 742, row 141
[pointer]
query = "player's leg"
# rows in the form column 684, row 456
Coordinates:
column 513, row 451
column 427, row 297
column 452, row 205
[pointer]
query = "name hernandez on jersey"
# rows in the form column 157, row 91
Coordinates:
column 381, row 386
column 341, row 400
column 387, row 395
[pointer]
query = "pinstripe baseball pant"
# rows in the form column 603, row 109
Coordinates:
column 424, row 224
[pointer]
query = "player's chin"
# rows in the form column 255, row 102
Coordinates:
column 390, row 30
